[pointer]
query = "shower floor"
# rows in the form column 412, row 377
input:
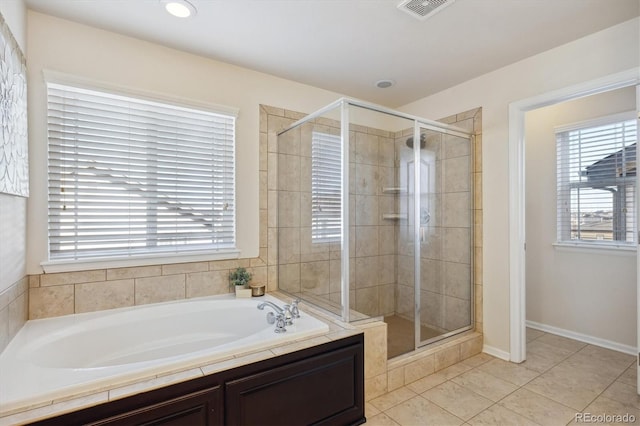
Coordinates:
column 400, row 335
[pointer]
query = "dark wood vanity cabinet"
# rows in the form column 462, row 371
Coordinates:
column 322, row 389
column 198, row 408
column 321, row 385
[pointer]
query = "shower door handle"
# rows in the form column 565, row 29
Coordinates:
column 425, row 218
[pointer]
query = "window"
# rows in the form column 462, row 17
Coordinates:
column 596, row 175
column 326, row 172
column 135, row 177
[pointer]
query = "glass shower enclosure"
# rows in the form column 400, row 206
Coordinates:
column 375, row 220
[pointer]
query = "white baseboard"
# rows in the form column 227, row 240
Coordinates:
column 596, row 341
column 498, row 353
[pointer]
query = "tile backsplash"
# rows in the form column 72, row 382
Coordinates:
column 86, row 291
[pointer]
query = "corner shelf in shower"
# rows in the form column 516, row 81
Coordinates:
column 393, row 190
column 393, row 216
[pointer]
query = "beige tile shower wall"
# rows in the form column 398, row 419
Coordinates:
column 447, row 260
column 375, row 249
column 472, row 122
column 315, row 269
column 14, row 304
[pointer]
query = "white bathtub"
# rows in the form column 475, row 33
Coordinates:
column 53, row 357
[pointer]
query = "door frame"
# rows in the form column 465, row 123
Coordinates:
column 517, row 237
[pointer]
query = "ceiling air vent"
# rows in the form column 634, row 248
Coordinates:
column 422, row 9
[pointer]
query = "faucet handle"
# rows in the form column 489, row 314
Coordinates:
column 295, row 313
column 280, row 323
column 288, row 314
column 271, row 318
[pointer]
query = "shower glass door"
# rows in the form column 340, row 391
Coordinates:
column 442, row 222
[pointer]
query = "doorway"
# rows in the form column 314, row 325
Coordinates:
column 517, row 191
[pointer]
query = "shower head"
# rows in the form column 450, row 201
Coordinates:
column 423, row 138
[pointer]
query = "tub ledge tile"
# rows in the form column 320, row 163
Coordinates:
column 236, row 362
column 55, row 409
column 153, row 383
column 301, row 344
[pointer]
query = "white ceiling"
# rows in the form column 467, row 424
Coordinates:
column 347, row 45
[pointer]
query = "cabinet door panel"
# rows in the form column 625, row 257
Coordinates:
column 320, row 389
column 198, row 408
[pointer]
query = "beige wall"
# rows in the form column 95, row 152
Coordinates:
column 13, row 218
column 582, row 291
column 126, row 62
column 607, row 52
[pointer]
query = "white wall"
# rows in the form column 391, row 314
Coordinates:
column 13, row 211
column 592, row 293
column 607, row 52
column 90, row 53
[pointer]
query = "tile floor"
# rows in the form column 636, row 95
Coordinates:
column 561, row 377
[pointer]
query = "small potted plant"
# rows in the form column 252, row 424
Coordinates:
column 240, row 279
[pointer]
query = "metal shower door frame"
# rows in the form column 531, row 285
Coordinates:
column 417, row 204
column 419, row 123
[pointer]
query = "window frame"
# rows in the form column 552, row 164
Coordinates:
column 180, row 255
column 562, row 173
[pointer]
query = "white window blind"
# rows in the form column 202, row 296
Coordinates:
column 596, row 175
column 325, row 187
column 130, row 176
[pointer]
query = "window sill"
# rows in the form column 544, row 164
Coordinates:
column 595, row 248
column 127, row 262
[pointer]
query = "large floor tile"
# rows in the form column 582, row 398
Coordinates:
column 458, row 400
column 630, row 376
column 509, row 371
column 568, row 386
column 370, row 410
column 538, row 409
column 477, row 360
column 392, row 398
column 608, row 357
column 426, row 383
column 541, row 357
column 586, row 365
column 419, row 411
column 608, row 407
column 623, row 393
column 533, row 334
column 485, row 384
column 499, row 415
column 381, row 419
column 560, row 379
column 561, row 342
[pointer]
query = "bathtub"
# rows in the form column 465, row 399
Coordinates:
column 51, row 358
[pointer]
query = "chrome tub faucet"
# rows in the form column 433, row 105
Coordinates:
column 279, row 318
column 283, row 316
column 275, row 307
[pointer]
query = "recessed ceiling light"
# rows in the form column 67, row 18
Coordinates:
column 383, row 84
column 179, row 8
